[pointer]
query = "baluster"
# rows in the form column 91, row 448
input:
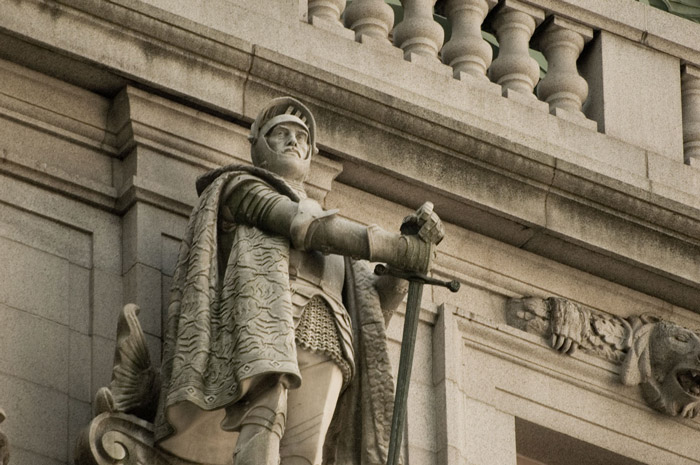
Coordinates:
column 326, row 10
column 467, row 51
column 418, row 33
column 690, row 91
column 371, row 18
column 514, row 69
column 561, row 41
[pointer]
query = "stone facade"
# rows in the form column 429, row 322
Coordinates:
column 110, row 110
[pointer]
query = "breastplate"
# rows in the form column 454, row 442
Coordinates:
column 312, row 273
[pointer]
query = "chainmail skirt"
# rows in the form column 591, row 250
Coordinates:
column 317, row 332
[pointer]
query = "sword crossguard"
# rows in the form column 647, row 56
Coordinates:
column 381, row 270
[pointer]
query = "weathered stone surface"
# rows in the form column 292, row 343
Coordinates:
column 42, row 426
column 646, row 114
column 34, row 348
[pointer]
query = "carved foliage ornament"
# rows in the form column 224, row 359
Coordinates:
column 661, row 357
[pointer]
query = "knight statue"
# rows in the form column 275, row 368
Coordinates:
column 274, row 350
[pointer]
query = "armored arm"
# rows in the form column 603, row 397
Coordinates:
column 248, row 200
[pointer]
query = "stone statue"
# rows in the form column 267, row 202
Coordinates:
column 660, row 356
column 275, row 347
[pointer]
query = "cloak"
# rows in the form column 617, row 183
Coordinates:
column 228, row 321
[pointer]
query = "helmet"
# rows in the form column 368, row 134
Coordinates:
column 277, row 111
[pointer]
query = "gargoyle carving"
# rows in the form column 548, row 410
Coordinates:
column 660, row 356
column 4, row 444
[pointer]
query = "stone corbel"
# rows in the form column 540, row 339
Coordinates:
column 661, row 357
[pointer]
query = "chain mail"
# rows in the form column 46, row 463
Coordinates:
column 317, row 332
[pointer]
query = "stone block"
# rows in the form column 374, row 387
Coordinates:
column 529, row 100
column 334, row 27
column 80, row 361
column 102, row 361
column 46, row 152
column 421, row 456
column 142, row 286
column 421, row 411
column 38, row 282
column 44, row 234
column 143, row 227
column 79, row 416
column 107, row 240
column 634, row 94
column 170, row 248
column 37, row 418
column 20, row 456
column 490, row 435
column 154, row 349
column 380, row 45
column 576, row 118
column 34, row 348
column 165, row 300
column 482, row 84
column 79, row 298
column 107, row 301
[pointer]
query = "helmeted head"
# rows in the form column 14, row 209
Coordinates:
column 283, row 139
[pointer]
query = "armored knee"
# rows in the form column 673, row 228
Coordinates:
column 267, row 409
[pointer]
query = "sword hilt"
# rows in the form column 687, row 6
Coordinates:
column 416, row 277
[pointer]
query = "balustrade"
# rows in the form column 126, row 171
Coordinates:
column 514, row 69
column 561, row 41
column 690, row 89
column 418, row 33
column 329, row 10
column 467, row 51
column 370, row 18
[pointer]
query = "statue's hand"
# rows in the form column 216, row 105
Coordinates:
column 424, row 223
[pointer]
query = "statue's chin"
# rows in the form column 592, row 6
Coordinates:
column 678, row 394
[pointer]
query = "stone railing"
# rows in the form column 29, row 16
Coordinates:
column 614, row 70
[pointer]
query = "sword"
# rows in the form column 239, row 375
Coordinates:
column 416, row 281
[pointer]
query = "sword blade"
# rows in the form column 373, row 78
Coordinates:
column 408, row 344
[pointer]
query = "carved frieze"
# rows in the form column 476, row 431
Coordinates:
column 663, row 358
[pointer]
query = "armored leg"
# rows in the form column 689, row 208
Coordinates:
column 311, row 409
column 262, row 427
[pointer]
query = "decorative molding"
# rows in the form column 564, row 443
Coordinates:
column 660, row 356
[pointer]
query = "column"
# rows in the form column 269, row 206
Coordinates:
column 418, row 33
column 370, row 18
column 561, row 41
column 466, row 51
column 514, row 69
column 326, row 10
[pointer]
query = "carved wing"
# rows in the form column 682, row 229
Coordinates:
column 135, row 382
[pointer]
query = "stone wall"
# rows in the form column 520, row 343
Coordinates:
column 110, row 110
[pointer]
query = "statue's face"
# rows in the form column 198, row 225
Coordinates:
column 290, row 156
column 289, row 139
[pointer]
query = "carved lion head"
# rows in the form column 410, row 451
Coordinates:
column 665, row 359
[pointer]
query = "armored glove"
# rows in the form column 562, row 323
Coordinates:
column 414, row 249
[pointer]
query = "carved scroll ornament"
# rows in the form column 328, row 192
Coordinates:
column 660, row 356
